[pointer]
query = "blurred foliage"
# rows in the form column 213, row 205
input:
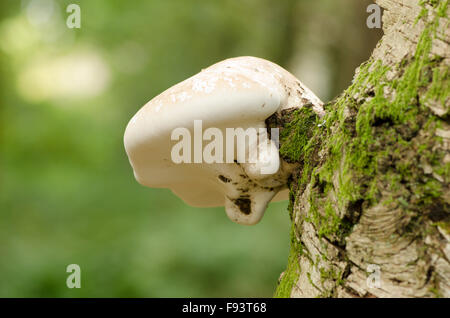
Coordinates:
column 67, row 192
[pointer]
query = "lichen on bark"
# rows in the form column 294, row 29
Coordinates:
column 373, row 182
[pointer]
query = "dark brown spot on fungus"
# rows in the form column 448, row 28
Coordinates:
column 305, row 101
column 244, row 205
column 224, row 179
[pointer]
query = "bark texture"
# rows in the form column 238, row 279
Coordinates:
column 372, row 190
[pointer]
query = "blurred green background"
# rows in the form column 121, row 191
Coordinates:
column 67, row 192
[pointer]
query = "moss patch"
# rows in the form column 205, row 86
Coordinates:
column 296, row 135
column 292, row 272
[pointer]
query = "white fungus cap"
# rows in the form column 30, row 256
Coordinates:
column 239, row 92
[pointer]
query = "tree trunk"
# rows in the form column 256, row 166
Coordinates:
column 370, row 203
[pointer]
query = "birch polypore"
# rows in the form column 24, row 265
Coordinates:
column 206, row 138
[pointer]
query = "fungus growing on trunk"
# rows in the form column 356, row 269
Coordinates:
column 206, row 138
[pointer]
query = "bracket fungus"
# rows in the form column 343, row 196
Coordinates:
column 223, row 156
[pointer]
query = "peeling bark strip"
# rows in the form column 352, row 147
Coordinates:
column 373, row 187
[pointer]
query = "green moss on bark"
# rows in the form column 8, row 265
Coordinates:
column 292, row 272
column 296, row 135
